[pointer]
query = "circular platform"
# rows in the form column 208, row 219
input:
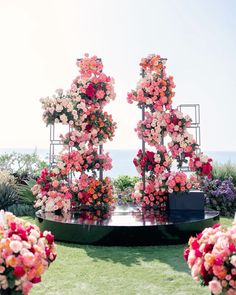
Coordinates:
column 126, row 226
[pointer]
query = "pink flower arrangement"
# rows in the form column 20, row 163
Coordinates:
column 152, row 128
column 92, row 192
column 76, row 139
column 63, row 108
column 101, row 127
column 152, row 162
column 182, row 146
column 97, row 91
column 150, row 196
column 144, row 162
column 201, row 164
column 211, row 256
column 89, row 66
column 152, row 63
column 176, row 182
column 162, row 159
column 78, row 161
column 93, row 160
column 25, row 254
column 52, row 193
column 154, row 91
column 70, row 162
column 82, row 109
column 92, row 86
column 177, row 122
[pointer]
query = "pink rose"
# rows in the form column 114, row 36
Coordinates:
column 100, row 94
column 55, row 183
column 198, row 164
column 215, row 287
column 16, row 246
column 28, row 259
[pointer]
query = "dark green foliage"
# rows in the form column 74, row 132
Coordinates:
column 25, row 193
column 8, row 196
column 12, row 202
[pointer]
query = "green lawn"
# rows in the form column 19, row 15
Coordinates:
column 89, row 270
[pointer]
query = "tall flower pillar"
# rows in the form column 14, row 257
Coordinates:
column 76, row 178
column 154, row 94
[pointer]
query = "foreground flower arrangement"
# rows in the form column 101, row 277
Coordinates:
column 211, row 256
column 25, row 254
column 154, row 95
column 68, row 184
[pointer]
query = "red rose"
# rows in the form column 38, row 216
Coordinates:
column 206, row 168
column 22, row 233
column 198, row 253
column 50, row 238
column 195, row 244
column 208, row 248
column 18, row 271
column 175, row 120
column 150, row 156
column 232, row 247
column 13, row 226
column 90, row 91
column 186, row 253
column 36, row 280
column 149, row 167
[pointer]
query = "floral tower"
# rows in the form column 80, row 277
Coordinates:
column 160, row 121
column 77, row 178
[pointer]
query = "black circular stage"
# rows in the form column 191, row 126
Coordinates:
column 126, row 226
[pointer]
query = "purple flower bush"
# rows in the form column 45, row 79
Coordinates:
column 221, row 196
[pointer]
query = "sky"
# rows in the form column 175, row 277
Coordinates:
column 41, row 40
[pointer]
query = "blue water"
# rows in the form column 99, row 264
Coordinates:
column 123, row 159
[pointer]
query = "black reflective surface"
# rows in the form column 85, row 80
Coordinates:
column 126, row 225
column 127, row 216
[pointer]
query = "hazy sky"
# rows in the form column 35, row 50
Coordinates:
column 40, row 41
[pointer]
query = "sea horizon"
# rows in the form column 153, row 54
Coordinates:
column 123, row 158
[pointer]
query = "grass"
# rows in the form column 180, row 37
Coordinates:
column 87, row 270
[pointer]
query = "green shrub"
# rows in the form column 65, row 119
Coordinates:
column 123, row 182
column 223, row 171
column 18, row 163
column 8, row 196
column 12, row 202
column 25, row 193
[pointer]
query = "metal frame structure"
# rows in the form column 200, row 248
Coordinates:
column 195, row 124
column 53, row 157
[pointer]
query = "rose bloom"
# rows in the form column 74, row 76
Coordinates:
column 16, row 246
column 55, row 183
column 215, row 287
column 233, row 260
column 198, row 164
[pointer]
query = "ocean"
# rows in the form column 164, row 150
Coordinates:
column 123, row 159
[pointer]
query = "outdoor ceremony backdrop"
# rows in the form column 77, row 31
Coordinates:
column 40, row 41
